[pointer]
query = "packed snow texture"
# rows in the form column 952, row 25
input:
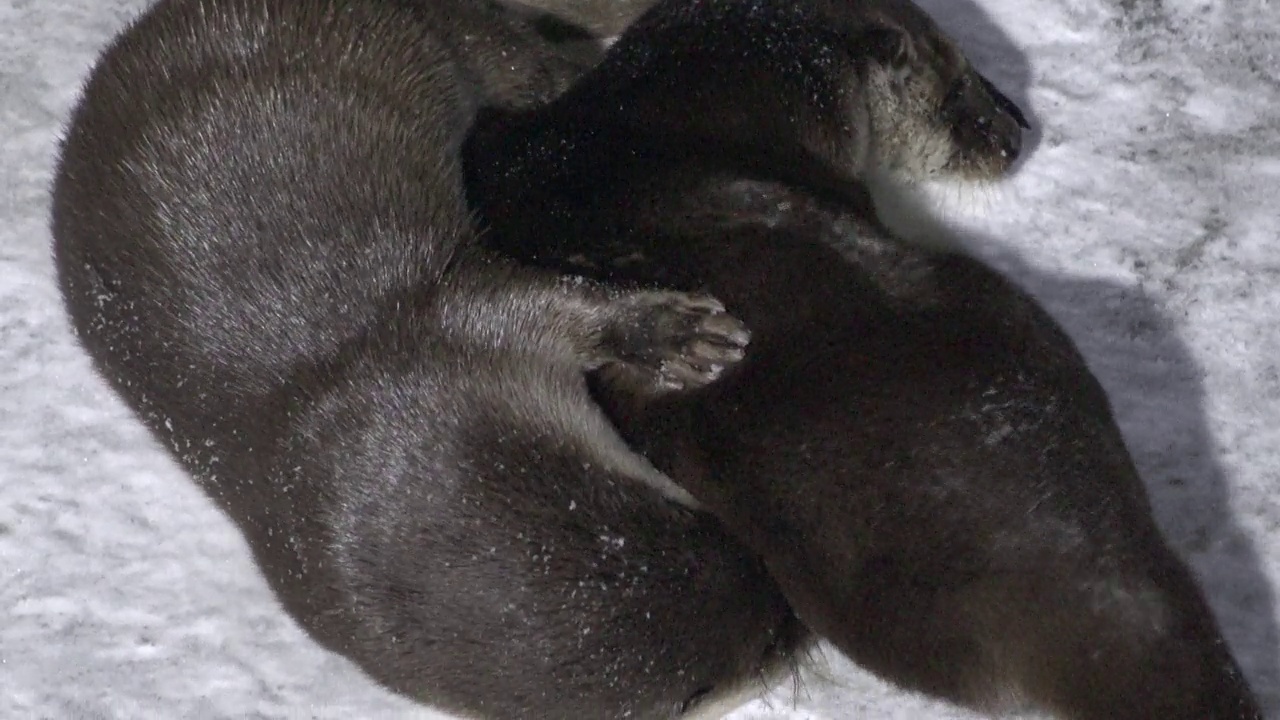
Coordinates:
column 1141, row 217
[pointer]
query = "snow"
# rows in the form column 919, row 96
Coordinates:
column 1145, row 217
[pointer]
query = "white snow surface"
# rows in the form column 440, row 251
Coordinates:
column 1145, row 217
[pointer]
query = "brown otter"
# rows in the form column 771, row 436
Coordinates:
column 262, row 241
column 916, row 449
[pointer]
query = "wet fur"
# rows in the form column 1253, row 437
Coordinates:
column 916, row 449
column 262, row 241
column 596, row 18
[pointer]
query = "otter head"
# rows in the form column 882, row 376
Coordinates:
column 932, row 116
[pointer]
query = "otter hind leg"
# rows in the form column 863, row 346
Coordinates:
column 1137, row 643
column 1059, row 636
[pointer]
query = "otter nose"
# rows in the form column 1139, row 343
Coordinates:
column 1005, row 105
column 1009, row 140
column 1006, row 130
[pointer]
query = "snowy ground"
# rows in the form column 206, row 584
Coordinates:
column 1145, row 218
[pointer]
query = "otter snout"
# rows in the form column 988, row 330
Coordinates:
column 986, row 127
column 1009, row 122
column 1003, row 102
column 1006, row 136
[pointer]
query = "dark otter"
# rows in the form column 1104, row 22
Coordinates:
column 912, row 444
column 262, row 241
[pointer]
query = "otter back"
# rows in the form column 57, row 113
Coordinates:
column 262, row 242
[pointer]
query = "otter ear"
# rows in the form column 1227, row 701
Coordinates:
column 889, row 46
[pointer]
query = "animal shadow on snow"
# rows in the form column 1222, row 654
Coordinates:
column 1156, row 389
column 1157, row 393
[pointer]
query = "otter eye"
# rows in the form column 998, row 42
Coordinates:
column 889, row 46
column 956, row 92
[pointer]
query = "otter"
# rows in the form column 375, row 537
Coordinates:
column 262, row 241
column 915, row 448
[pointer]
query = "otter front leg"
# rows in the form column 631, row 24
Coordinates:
column 677, row 340
column 649, row 342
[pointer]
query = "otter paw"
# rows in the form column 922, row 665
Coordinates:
column 685, row 340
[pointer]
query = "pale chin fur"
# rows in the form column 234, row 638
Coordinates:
column 727, row 702
column 723, row 705
column 918, row 212
column 668, row 488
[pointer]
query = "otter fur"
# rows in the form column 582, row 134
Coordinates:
column 916, row 449
column 261, row 237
